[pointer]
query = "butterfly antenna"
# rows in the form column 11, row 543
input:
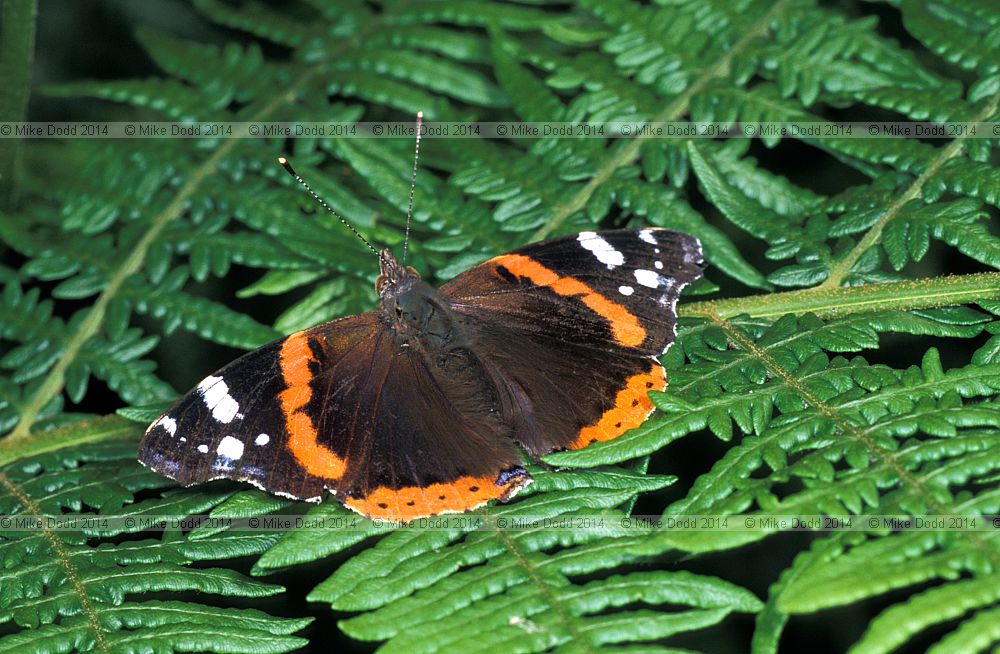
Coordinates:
column 291, row 171
column 413, row 184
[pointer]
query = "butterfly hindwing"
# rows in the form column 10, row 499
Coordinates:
column 408, row 443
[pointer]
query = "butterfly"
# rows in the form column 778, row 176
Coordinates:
column 417, row 408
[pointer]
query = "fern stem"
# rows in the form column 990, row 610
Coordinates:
column 674, row 111
column 54, row 381
column 841, row 301
column 843, row 265
column 581, row 644
column 60, row 553
column 17, row 49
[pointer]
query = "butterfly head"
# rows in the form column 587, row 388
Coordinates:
column 411, row 308
column 394, row 278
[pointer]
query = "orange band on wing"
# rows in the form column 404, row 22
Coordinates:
column 632, row 407
column 625, row 327
column 302, row 436
column 412, row 502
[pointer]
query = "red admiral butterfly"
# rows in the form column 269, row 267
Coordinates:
column 414, row 410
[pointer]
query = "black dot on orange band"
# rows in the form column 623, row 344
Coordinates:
column 410, row 503
column 506, row 274
column 630, row 409
column 383, row 505
column 473, row 489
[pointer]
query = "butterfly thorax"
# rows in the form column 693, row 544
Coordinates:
column 415, row 313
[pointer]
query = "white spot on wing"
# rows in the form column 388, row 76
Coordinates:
column 659, row 265
column 626, row 290
column 230, row 448
column 208, row 382
column 647, row 278
column 216, row 395
column 203, row 448
column 647, row 236
column 693, row 256
column 604, row 251
column 262, row 439
column 168, row 424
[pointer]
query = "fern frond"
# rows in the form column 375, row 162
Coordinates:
column 470, row 578
column 74, row 590
column 869, row 386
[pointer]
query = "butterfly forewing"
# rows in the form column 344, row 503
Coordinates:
column 246, row 422
column 340, row 407
column 575, row 323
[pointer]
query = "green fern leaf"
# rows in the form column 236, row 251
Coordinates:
column 68, row 592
